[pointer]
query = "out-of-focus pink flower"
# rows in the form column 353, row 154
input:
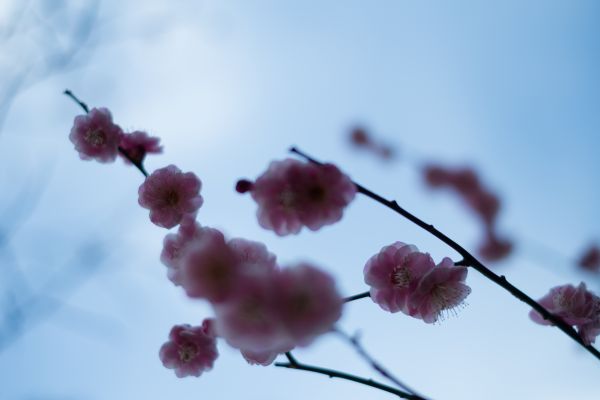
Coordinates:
column 95, row 136
column 486, row 205
column 170, row 194
column 308, row 302
column 590, row 259
column 465, row 181
column 249, row 319
column 208, row 269
column 175, row 245
column 253, row 257
column 574, row 305
column 436, row 176
column 137, row 145
column 263, row 358
column 495, row 248
column 359, row 137
column 394, row 273
column 292, row 194
column 441, row 290
column 190, row 351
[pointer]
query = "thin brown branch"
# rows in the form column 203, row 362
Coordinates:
column 470, row 260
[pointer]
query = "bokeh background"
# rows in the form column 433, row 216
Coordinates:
column 508, row 87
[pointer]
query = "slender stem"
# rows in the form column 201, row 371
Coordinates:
column 293, row 364
column 76, row 100
column 354, row 342
column 357, row 296
column 85, row 108
column 470, row 260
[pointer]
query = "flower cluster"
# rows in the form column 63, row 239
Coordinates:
column 292, row 194
column 97, row 137
column 486, row 205
column 260, row 309
column 403, row 279
column 576, row 306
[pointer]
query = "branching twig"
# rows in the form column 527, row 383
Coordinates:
column 354, row 342
column 469, row 260
column 85, row 108
column 295, row 364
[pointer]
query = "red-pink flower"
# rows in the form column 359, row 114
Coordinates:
column 254, row 257
column 394, row 273
column 292, row 194
column 495, row 248
column 442, row 290
column 190, row 351
column 137, row 145
column 175, row 245
column 308, row 302
column 249, row 319
column 208, row 269
column 95, row 136
column 590, row 259
column 263, row 358
column 170, row 194
column 574, row 305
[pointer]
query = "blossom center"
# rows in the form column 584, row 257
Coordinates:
column 316, row 193
column 187, row 352
column 172, row 198
column 95, row 137
column 287, row 198
column 401, row 276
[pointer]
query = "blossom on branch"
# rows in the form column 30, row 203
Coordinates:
column 95, row 136
column 403, row 279
column 394, row 273
column 190, row 351
column 170, row 194
column 137, row 145
column 441, row 291
column 575, row 306
column 292, row 194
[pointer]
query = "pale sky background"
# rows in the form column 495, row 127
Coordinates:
column 510, row 87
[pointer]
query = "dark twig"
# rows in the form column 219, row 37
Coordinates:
column 470, row 260
column 85, row 108
column 354, row 342
column 357, row 297
column 294, row 364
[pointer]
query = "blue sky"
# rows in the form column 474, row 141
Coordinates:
column 509, row 87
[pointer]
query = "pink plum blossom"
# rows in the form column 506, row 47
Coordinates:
column 254, row 257
column 190, row 351
column 394, row 273
column 175, row 245
column 590, row 259
column 137, row 145
column 263, row 358
column 495, row 248
column 574, row 305
column 249, row 319
column 292, row 194
column 441, row 290
column 308, row 301
column 208, row 268
column 170, row 194
column 95, row 136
